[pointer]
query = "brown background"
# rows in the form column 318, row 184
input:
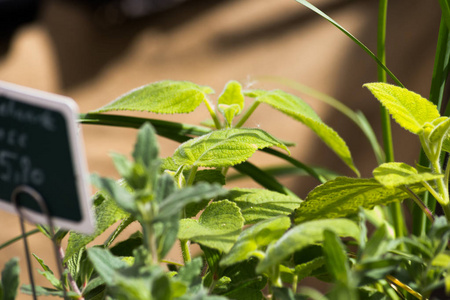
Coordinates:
column 70, row 50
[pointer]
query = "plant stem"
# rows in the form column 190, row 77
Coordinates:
column 213, row 114
column 18, row 238
column 150, row 241
column 395, row 210
column 440, row 73
column 191, row 177
column 419, row 202
column 185, row 251
column 247, row 114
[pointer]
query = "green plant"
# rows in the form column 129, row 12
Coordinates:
column 262, row 243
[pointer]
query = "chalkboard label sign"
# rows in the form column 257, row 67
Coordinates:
column 40, row 147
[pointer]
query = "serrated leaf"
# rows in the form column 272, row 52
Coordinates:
column 210, row 176
column 165, row 97
column 258, row 204
column 299, row 110
column 343, row 196
column 395, row 174
column 224, row 148
column 10, row 279
column 304, row 235
column 255, row 239
column 106, row 214
column 409, row 109
column 218, row 227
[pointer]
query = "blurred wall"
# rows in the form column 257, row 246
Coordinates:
column 94, row 56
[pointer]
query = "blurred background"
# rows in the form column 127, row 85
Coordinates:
column 95, row 50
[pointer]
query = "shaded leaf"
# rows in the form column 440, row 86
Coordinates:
column 223, row 148
column 48, row 274
column 42, row 291
column 106, row 214
column 398, row 174
column 175, row 202
column 336, row 258
column 343, row 196
column 218, row 227
column 303, row 235
column 146, row 149
column 10, row 279
column 409, row 109
column 258, row 204
column 301, row 111
column 255, row 238
column 165, row 97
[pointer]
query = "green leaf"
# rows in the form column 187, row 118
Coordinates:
column 258, row 204
column 232, row 94
column 210, row 176
column 395, row 174
column 48, row 274
column 123, row 198
column 336, row 258
column 300, row 111
column 304, row 235
column 343, row 196
column 165, row 97
column 146, row 149
column 10, row 279
column 409, row 109
column 218, row 227
column 42, row 291
column 175, row 202
column 305, row 269
column 106, row 214
column 255, row 239
column 223, row 148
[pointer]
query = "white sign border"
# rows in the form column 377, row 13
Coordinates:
column 69, row 109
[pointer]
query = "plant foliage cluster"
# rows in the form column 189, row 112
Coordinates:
column 262, row 243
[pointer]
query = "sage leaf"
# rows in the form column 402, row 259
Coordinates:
column 224, row 148
column 396, row 174
column 106, row 214
column 258, row 204
column 343, row 196
column 164, row 97
column 255, row 239
column 47, row 273
column 301, row 111
column 304, row 235
column 218, row 227
column 409, row 109
column 336, row 258
column 146, row 149
column 10, row 279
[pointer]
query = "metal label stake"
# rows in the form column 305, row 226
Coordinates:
column 23, row 189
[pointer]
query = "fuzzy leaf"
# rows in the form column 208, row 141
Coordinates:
column 146, row 149
column 255, row 238
column 304, row 235
column 336, row 257
column 301, row 111
column 232, row 94
column 218, row 227
column 409, row 109
column 106, row 214
column 223, row 148
column 343, row 196
column 10, row 279
column 398, row 174
column 47, row 273
column 165, row 97
column 259, row 204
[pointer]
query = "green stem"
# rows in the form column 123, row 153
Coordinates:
column 419, row 203
column 440, row 73
column 150, row 242
column 18, row 238
column 213, row 114
column 185, row 251
column 276, row 280
column 395, row 210
column 247, row 114
column 191, row 177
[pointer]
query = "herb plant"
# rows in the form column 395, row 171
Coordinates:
column 262, row 243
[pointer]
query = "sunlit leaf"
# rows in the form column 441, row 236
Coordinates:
column 343, row 196
column 301, row 111
column 165, row 97
column 398, row 174
column 224, row 148
column 409, row 109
